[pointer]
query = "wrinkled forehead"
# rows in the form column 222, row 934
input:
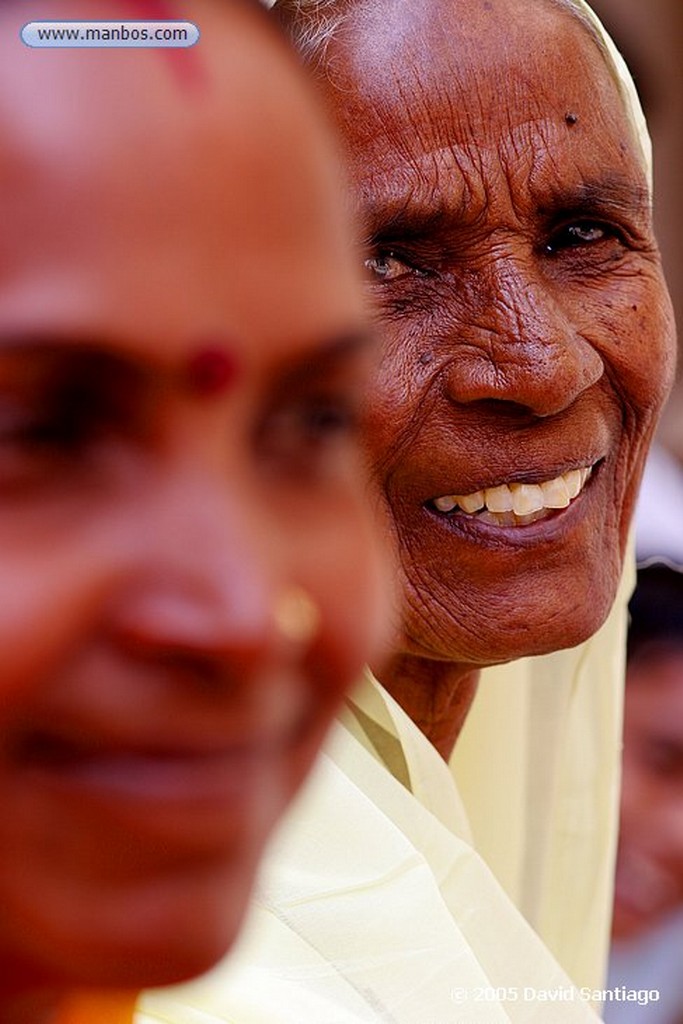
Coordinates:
column 621, row 75
column 413, row 49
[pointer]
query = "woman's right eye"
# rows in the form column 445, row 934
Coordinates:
column 388, row 266
column 34, row 443
column 40, row 432
column 48, row 432
column 57, row 412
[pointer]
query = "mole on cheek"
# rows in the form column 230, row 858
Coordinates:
column 212, row 371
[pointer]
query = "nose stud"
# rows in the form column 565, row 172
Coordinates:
column 296, row 614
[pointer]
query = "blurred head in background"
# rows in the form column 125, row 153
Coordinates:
column 649, row 880
column 188, row 579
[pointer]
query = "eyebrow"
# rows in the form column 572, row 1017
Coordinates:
column 612, row 191
column 410, row 215
column 46, row 353
column 311, row 361
column 324, row 357
column 45, row 343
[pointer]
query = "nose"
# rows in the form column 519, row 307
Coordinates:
column 198, row 585
column 518, row 344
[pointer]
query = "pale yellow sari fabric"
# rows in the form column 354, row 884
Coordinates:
column 393, row 893
column 374, row 905
column 543, row 807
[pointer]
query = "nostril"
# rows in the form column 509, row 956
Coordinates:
column 503, row 410
column 201, row 669
column 181, row 662
column 540, row 379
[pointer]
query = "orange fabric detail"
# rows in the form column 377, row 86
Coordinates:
column 98, row 1008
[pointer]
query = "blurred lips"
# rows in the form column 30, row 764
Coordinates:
column 182, row 773
column 154, row 773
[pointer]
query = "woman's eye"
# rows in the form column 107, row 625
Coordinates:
column 388, row 267
column 45, row 437
column 37, row 445
column 40, row 434
column 304, row 436
column 584, row 233
column 317, row 423
column 67, row 427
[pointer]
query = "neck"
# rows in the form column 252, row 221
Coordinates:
column 436, row 695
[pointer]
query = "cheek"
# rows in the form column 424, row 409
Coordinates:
column 641, row 346
column 40, row 614
column 396, row 405
column 352, row 582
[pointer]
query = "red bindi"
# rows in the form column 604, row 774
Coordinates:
column 212, row 371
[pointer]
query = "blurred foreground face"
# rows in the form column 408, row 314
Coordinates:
column 180, row 365
column 528, row 334
column 649, row 879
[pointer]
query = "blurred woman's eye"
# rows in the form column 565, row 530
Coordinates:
column 37, row 443
column 54, row 418
column 388, row 267
column 304, row 437
column 42, row 430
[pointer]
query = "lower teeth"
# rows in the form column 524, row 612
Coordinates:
column 510, row 518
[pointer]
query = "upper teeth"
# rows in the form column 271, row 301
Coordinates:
column 522, row 499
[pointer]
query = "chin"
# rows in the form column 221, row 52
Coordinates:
column 159, row 933
column 162, row 963
column 523, row 619
column 568, row 629
column 178, row 939
column 485, row 593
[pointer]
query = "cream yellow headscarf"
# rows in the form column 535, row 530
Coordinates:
column 378, row 900
column 550, row 784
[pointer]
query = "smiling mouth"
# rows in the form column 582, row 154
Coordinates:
column 173, row 775
column 515, row 504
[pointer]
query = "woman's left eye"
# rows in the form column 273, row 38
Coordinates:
column 302, row 435
column 322, row 422
column 388, row 267
column 582, row 233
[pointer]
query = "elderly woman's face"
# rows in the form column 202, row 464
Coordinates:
column 527, row 329
column 180, row 365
